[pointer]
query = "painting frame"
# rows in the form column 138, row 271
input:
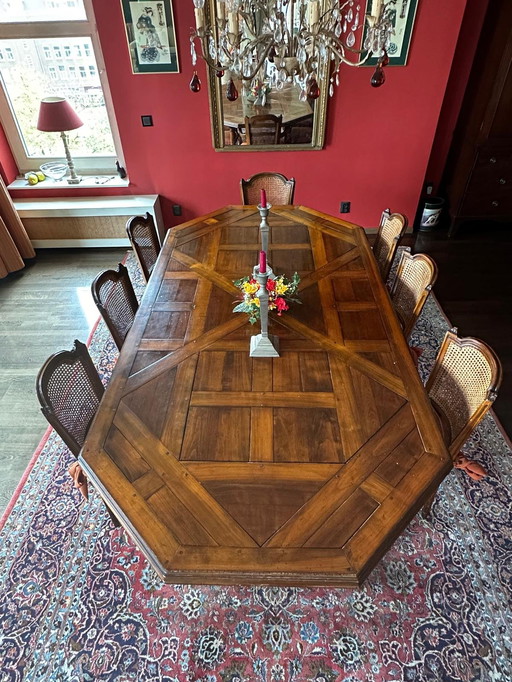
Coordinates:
column 404, row 24
column 151, row 36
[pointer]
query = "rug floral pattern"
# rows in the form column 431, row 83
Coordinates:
column 79, row 603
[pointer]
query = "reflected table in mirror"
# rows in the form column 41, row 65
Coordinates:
column 297, row 116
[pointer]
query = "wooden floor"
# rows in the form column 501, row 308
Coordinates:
column 43, row 308
column 41, row 312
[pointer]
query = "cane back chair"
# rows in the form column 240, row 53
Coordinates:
column 415, row 277
column 278, row 188
column 462, row 386
column 115, row 298
column 70, row 391
column 391, row 229
column 144, row 240
column 263, row 129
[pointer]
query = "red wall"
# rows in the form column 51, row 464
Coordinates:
column 378, row 141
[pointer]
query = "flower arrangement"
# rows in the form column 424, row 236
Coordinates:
column 281, row 291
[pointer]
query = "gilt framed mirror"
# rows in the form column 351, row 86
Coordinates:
column 278, row 113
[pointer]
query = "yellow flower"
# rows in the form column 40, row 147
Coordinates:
column 256, row 302
column 281, row 288
column 250, row 288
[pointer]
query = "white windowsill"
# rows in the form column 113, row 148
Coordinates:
column 88, row 182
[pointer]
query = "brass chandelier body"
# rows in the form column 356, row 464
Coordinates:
column 279, row 40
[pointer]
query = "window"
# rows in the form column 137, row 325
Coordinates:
column 33, row 40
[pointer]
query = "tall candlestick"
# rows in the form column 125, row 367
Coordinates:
column 263, row 201
column 263, row 345
column 263, row 262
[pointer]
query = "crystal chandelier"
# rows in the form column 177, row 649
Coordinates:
column 280, row 40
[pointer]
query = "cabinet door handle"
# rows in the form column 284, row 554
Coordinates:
column 495, row 203
column 492, row 159
column 503, row 181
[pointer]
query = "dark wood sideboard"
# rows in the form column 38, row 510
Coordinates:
column 478, row 176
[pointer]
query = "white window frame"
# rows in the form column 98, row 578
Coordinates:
column 60, row 29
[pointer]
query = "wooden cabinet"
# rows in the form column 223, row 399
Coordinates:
column 478, row 176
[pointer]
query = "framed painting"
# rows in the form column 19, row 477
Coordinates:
column 151, row 36
column 401, row 14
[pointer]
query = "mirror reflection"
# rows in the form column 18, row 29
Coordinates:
column 263, row 98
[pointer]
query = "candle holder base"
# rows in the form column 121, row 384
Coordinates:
column 264, row 346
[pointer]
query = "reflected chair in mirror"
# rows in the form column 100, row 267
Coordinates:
column 263, row 129
column 414, row 279
column 462, row 386
column 278, row 188
column 142, row 234
column 298, row 131
column 115, row 299
column 69, row 391
column 391, row 230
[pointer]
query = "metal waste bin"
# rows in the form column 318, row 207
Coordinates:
column 431, row 213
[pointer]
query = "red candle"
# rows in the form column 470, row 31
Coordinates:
column 263, row 262
column 263, row 201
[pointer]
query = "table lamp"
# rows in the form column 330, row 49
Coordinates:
column 56, row 115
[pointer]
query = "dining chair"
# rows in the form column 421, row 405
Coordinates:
column 391, row 229
column 70, row 390
column 278, row 188
column 263, row 129
column 462, row 386
column 414, row 279
column 115, row 298
column 144, row 240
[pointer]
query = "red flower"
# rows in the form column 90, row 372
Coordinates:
column 271, row 284
column 281, row 305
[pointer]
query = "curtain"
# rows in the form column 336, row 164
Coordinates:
column 14, row 242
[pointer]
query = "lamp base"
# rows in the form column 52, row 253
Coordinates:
column 74, row 181
column 264, row 346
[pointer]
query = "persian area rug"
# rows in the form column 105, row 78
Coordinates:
column 79, row 603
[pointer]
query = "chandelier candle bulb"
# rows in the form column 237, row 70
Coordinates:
column 199, row 12
column 314, row 13
column 221, row 12
column 233, row 23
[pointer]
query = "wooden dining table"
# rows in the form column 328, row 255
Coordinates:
column 296, row 470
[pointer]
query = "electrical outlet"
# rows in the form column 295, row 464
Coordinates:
column 345, row 207
column 147, row 121
column 176, row 209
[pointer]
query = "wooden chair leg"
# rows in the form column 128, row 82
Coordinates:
column 427, row 507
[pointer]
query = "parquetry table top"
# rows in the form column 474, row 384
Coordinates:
column 295, row 470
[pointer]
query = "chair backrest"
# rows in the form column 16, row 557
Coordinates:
column 115, row 298
column 278, row 188
column 415, row 277
column 144, row 239
column 263, row 129
column 391, row 229
column 463, row 385
column 70, row 391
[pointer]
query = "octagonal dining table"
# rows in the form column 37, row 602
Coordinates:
column 296, row 470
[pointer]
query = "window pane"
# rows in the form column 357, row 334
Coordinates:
column 41, row 10
column 38, row 69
